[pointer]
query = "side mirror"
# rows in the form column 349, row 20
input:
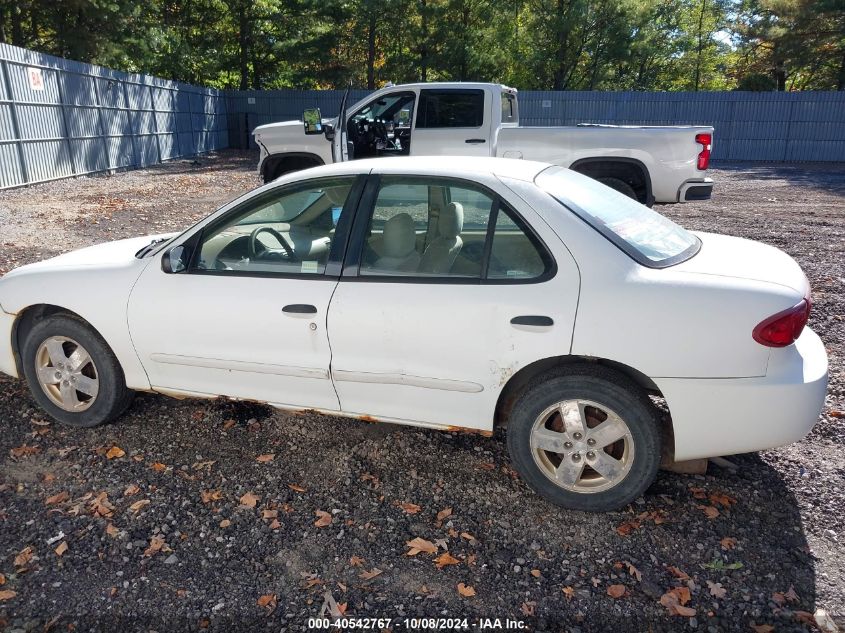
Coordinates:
column 313, row 121
column 175, row 260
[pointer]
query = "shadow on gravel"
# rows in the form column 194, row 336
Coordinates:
column 825, row 176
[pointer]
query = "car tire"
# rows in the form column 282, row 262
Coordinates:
column 74, row 391
column 624, row 468
column 619, row 185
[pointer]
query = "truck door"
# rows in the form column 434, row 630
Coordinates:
column 452, row 121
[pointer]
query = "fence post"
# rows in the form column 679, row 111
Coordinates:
column 99, row 105
column 155, row 121
column 16, row 128
column 132, row 139
column 60, row 74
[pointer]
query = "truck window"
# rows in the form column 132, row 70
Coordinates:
column 450, row 109
column 509, row 112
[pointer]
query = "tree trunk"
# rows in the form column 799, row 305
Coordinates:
column 243, row 46
column 700, row 44
column 371, row 51
column 17, row 26
column 840, row 78
column 424, row 45
column 562, row 35
column 464, row 67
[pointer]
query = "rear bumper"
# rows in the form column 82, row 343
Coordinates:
column 713, row 417
column 698, row 189
column 7, row 356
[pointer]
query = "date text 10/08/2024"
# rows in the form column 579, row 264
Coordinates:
column 426, row 624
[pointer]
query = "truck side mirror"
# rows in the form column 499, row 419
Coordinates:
column 313, row 121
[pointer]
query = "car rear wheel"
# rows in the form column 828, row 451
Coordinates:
column 586, row 438
column 72, row 373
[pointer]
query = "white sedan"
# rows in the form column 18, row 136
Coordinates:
column 450, row 293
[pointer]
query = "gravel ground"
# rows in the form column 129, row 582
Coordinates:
column 184, row 526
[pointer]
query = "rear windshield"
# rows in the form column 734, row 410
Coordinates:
column 648, row 237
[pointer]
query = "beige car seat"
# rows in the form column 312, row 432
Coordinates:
column 441, row 253
column 399, row 243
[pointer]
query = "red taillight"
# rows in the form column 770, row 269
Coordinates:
column 781, row 329
column 706, row 142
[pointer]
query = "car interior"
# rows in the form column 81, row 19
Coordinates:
column 416, row 229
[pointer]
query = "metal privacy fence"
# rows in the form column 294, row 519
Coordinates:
column 61, row 118
column 750, row 126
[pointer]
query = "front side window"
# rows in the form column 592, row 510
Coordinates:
column 450, row 109
column 287, row 230
column 646, row 236
column 442, row 228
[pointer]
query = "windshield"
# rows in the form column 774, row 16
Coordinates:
column 648, row 237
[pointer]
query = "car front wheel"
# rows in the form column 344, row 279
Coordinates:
column 72, row 373
column 586, row 438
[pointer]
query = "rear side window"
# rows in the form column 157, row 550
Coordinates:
column 450, row 109
column 646, row 236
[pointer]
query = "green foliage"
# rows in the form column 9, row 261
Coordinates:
column 530, row 44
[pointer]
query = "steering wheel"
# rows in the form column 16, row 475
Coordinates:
column 253, row 241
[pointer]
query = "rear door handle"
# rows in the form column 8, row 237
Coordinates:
column 530, row 319
column 300, row 308
column 475, row 141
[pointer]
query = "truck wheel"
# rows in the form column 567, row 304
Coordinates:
column 586, row 438
column 619, row 185
column 72, row 373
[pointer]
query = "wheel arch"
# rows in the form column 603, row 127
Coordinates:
column 524, row 379
column 276, row 165
column 630, row 170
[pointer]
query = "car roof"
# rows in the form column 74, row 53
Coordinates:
column 453, row 166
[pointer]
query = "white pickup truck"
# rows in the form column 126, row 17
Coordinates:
column 648, row 163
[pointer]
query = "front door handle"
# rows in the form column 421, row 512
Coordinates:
column 536, row 320
column 300, row 308
column 475, row 141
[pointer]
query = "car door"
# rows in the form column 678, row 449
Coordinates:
column 448, row 290
column 247, row 316
column 453, row 121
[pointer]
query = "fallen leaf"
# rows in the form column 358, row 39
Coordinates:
column 61, row 549
column 228, row 424
column 627, row 527
column 716, row 589
column 198, row 415
column 763, row 628
column 248, row 500
column 467, row 591
column 616, row 591
column 211, row 495
column 269, row 514
column 2, row 579
column 181, row 593
column 24, row 451
column 418, row 545
column 323, row 518
column 410, row 508
column 100, row 505
column 720, row 498
column 445, row 559
column 48, row 478
column 24, row 556
column 268, row 601
column 57, row 498
column 115, row 452
column 487, row 466
column 156, row 545
column 728, row 542
column 275, row 525
column 225, row 523
column 698, row 493
column 468, row 536
column 528, row 608
column 634, row 571
column 158, row 467
column 791, row 595
column 7, row 594
column 341, row 608
column 709, row 511
column 369, row 575
column 535, row 573
column 444, row 513
column 296, row 488
column 131, row 489
column 569, row 592
column 678, row 573
column 263, row 459
column 805, row 617
column 675, row 599
column 136, row 507
column 111, row 530
column 356, row 561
